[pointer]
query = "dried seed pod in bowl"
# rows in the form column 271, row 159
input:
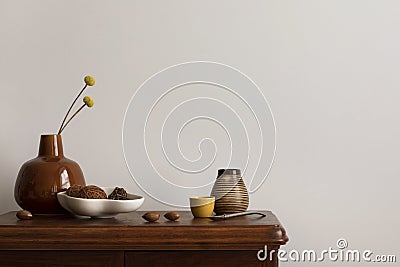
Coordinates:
column 92, row 192
column 118, row 194
column 74, row 191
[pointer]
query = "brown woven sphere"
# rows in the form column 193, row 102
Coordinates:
column 92, row 192
column 74, row 191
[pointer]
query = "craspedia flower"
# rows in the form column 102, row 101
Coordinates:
column 88, row 101
column 89, row 80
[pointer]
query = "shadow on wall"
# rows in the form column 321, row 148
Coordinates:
column 8, row 173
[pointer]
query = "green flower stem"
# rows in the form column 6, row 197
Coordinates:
column 62, row 129
column 69, row 110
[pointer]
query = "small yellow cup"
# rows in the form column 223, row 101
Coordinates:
column 202, row 206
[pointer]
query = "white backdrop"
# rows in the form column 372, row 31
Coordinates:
column 329, row 70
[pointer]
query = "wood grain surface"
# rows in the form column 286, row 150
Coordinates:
column 130, row 232
column 128, row 240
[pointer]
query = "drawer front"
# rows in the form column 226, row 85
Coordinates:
column 193, row 258
column 61, row 258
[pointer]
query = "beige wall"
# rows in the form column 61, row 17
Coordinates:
column 329, row 69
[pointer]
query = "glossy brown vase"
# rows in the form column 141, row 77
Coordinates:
column 230, row 192
column 40, row 179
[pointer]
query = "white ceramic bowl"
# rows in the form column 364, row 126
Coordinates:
column 99, row 208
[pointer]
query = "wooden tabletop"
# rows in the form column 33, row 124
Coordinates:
column 129, row 231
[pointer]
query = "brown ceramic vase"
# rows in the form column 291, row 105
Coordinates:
column 40, row 179
column 230, row 192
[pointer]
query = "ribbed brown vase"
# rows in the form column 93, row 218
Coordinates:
column 40, row 179
column 230, row 192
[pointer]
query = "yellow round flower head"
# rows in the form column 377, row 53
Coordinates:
column 88, row 101
column 89, row 80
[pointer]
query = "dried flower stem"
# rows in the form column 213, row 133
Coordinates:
column 62, row 129
column 69, row 110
